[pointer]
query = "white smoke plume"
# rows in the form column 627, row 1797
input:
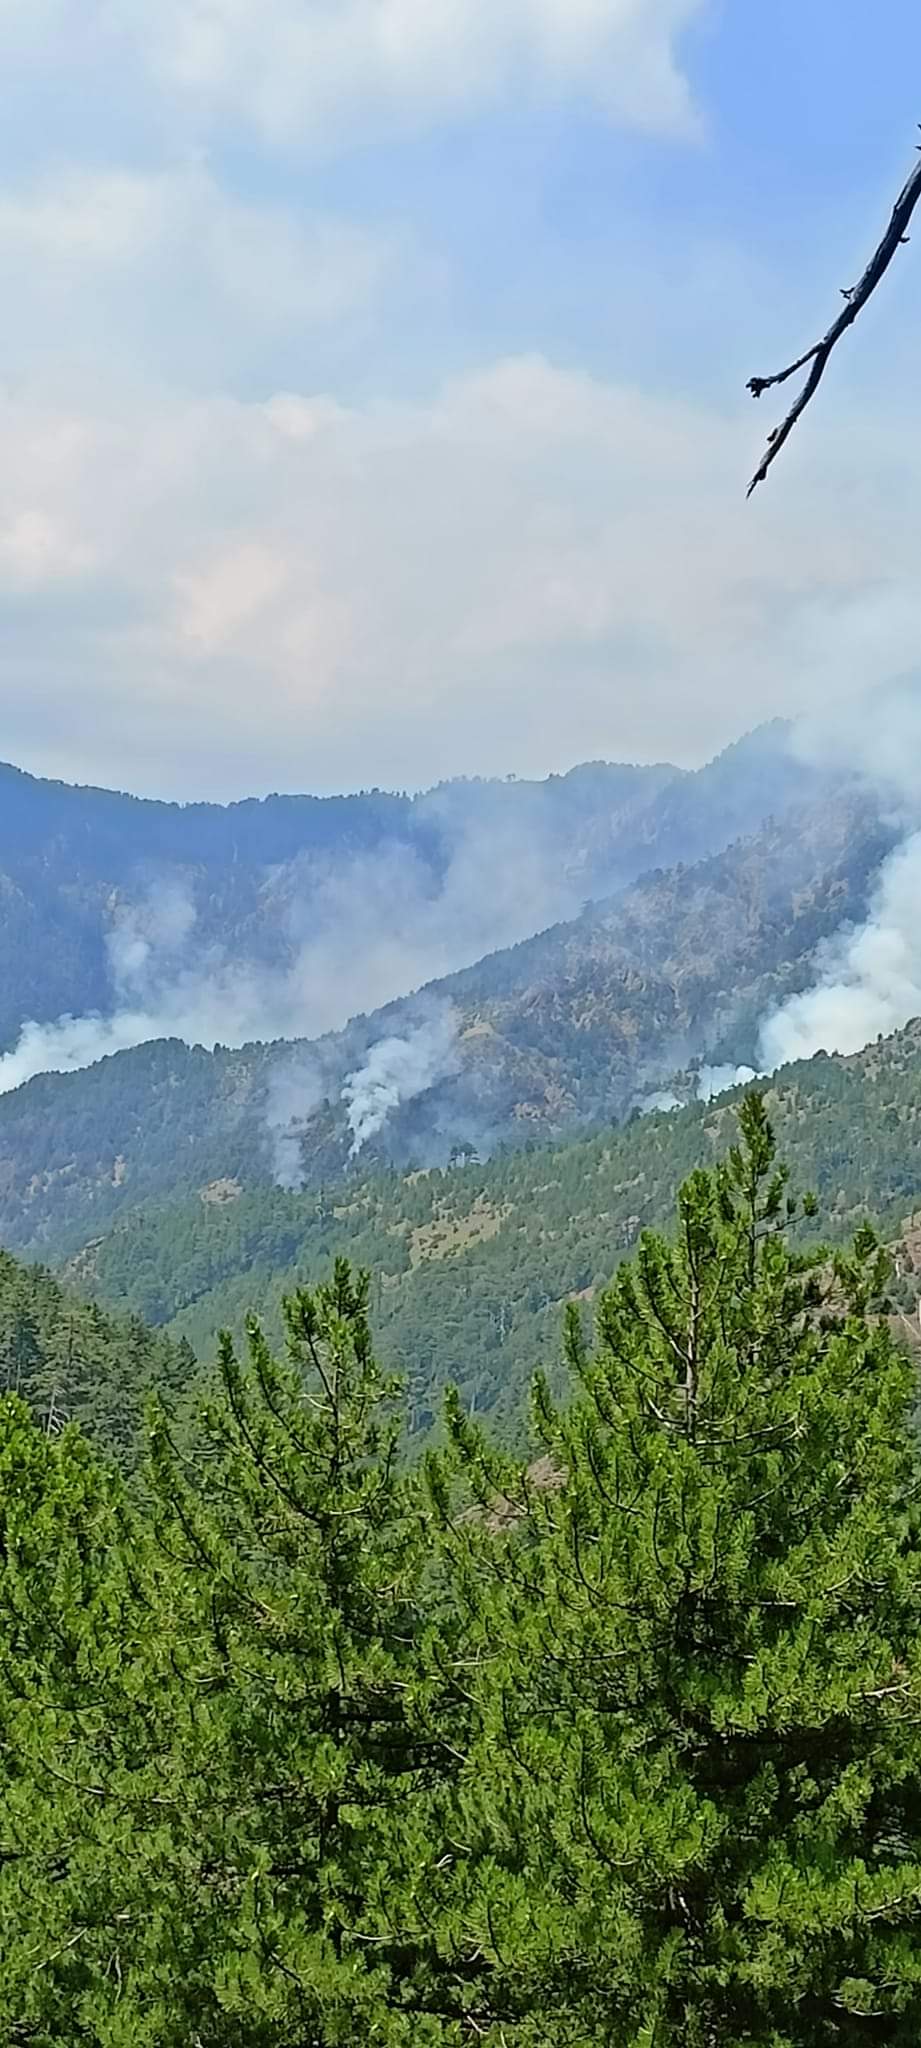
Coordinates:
column 663, row 1099
column 151, row 992
column 870, row 978
column 163, row 987
column 876, row 737
column 713, row 1081
column 353, row 935
column 704, row 1086
column 396, row 1071
column 296, row 1089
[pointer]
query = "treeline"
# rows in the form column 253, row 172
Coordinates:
column 303, row 1747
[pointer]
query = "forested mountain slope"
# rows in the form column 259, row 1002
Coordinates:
column 256, row 882
column 74, row 1362
column 572, row 1027
column 472, row 1265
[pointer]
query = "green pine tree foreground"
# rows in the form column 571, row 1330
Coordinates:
column 303, row 1748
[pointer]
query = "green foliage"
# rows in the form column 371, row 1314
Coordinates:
column 72, row 1362
column 306, row 1550
column 474, row 1264
column 216, row 1745
column 694, row 1796
column 622, row 1749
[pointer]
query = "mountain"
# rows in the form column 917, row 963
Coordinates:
column 472, row 1264
column 572, row 1027
column 283, row 916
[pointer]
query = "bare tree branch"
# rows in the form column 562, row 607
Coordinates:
column 855, row 300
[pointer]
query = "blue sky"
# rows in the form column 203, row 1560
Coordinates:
column 372, row 382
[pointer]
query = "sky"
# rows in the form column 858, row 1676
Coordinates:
column 372, row 383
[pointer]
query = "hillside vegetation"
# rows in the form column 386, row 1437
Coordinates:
column 305, row 1744
column 473, row 1263
column 73, row 1362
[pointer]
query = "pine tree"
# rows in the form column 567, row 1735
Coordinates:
column 21, row 1351
column 220, row 1763
column 692, row 1808
column 74, row 1801
column 300, row 1545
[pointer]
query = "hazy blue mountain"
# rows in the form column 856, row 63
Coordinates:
column 109, row 901
column 571, row 1027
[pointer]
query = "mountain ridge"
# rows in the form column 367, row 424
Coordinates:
column 572, row 1026
column 109, row 900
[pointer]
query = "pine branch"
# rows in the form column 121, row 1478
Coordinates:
column 855, row 300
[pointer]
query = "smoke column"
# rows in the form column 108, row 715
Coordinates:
column 295, row 1091
column 870, row 979
column 395, row 1072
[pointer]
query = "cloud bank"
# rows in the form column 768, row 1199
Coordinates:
column 311, row 78
column 165, row 275
column 531, row 566
column 314, row 479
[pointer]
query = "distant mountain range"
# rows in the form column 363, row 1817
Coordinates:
column 285, row 916
column 480, row 1139
column 574, row 1027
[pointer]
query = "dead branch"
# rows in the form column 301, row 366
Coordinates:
column 855, row 300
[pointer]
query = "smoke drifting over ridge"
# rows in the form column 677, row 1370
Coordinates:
column 350, row 935
column 162, row 988
column 296, row 1089
column 868, row 978
column 322, row 939
column 394, row 1072
column 707, row 1082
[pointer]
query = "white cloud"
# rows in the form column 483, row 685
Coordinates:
column 217, row 602
column 35, row 550
column 164, row 271
column 530, row 568
column 308, row 73
column 311, row 75
column 89, row 221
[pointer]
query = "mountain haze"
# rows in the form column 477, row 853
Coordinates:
column 284, row 916
column 573, row 1027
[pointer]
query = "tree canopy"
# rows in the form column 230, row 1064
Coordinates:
column 304, row 1744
